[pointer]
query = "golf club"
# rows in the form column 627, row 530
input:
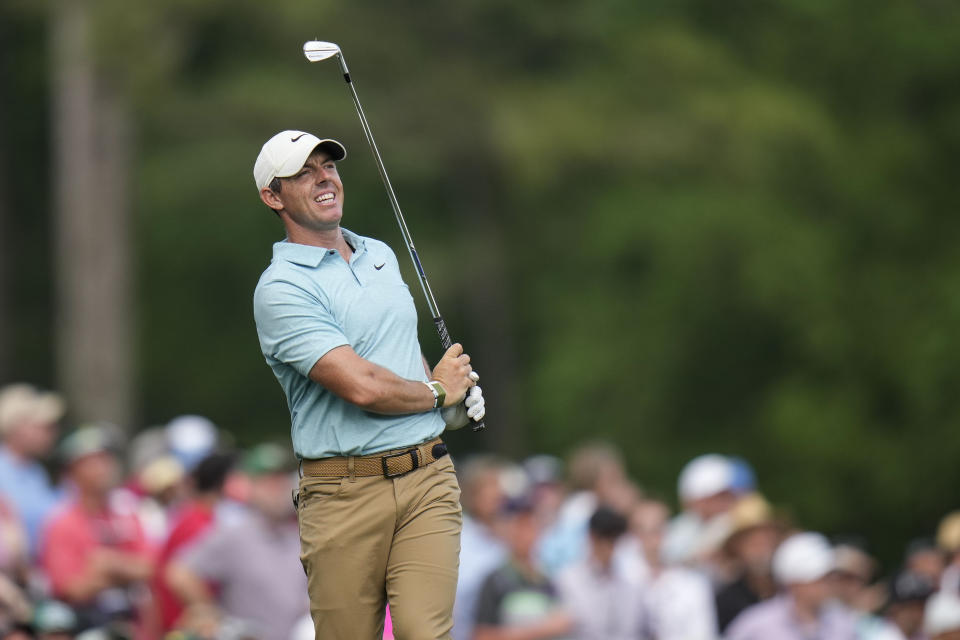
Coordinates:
column 316, row 51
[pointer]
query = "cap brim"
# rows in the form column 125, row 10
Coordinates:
column 334, row 149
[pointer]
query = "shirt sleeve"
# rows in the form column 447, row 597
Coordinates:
column 293, row 326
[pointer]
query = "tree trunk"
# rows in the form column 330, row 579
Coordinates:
column 6, row 325
column 91, row 140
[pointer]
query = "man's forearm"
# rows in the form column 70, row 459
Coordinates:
column 187, row 585
column 388, row 393
column 377, row 389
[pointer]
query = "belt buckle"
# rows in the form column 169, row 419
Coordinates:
column 412, row 452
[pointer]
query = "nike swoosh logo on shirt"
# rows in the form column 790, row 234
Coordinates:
column 379, row 266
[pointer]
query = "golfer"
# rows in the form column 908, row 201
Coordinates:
column 378, row 500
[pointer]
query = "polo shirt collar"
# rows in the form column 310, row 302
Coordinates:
column 311, row 256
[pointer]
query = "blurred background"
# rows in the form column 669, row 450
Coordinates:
column 686, row 226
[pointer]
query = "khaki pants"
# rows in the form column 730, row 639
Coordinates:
column 365, row 541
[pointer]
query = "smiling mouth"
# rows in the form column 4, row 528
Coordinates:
column 325, row 198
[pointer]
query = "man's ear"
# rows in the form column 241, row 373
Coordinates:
column 270, row 198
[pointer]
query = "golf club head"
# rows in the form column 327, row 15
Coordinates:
column 316, row 50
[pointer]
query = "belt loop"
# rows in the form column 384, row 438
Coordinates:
column 300, row 467
column 351, row 469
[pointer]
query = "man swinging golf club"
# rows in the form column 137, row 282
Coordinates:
column 378, row 500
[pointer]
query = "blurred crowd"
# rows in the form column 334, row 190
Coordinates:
column 578, row 551
column 176, row 533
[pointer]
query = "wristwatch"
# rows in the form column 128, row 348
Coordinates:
column 439, row 393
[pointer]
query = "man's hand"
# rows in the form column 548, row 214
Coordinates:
column 453, row 372
column 460, row 415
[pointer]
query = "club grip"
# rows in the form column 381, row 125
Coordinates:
column 445, row 340
column 447, row 343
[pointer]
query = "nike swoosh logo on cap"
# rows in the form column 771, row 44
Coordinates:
column 297, row 138
column 379, row 266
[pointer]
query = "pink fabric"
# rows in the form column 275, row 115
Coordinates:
column 73, row 535
column 388, row 626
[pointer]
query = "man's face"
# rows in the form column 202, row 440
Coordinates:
column 312, row 199
column 96, row 473
column 813, row 594
column 754, row 548
column 34, row 439
column 648, row 523
column 522, row 532
column 486, row 496
column 602, row 550
column 908, row 616
column 270, row 494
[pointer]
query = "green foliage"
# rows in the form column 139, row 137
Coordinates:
column 710, row 226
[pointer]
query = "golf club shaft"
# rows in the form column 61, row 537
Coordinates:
column 438, row 321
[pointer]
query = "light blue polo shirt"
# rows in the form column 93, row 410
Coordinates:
column 309, row 301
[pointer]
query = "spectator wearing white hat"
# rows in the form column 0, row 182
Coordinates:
column 708, row 490
column 941, row 617
column 802, row 565
column 28, row 427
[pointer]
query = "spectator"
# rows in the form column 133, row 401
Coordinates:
column 517, row 600
column 254, row 564
column 161, row 488
column 481, row 551
column 193, row 520
column 597, row 477
column 904, row 609
column 545, row 474
column 14, row 553
column 191, row 439
column 95, row 555
column 802, row 564
column 941, row 617
column 926, row 558
column 948, row 539
column 28, row 426
column 753, row 537
column 677, row 602
column 598, row 594
column 707, row 489
column 854, row 572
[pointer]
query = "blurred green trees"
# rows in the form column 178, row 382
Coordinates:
column 689, row 226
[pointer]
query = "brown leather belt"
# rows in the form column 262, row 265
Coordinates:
column 388, row 464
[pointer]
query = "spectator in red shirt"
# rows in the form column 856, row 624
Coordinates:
column 95, row 555
column 193, row 520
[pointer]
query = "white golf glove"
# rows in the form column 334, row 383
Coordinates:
column 460, row 414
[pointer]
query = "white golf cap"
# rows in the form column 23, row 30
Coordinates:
column 284, row 154
column 941, row 614
column 706, row 476
column 23, row 403
column 191, row 438
column 803, row 558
